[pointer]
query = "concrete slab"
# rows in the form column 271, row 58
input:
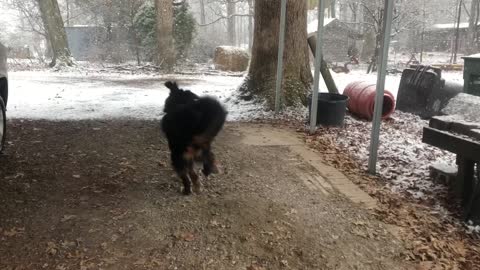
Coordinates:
column 328, row 178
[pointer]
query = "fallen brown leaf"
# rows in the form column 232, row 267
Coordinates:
column 188, row 237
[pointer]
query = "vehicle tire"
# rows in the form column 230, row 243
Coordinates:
column 4, row 90
column 3, row 125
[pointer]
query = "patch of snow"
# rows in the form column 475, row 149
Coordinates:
column 312, row 26
column 453, row 76
column 444, row 168
column 82, row 26
column 403, row 159
column 429, row 58
column 465, row 105
column 342, row 80
column 477, row 55
column 93, row 95
column 463, row 25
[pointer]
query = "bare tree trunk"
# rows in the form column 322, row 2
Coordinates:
column 297, row 79
column 472, row 27
column 370, row 32
column 354, row 9
column 202, row 12
column 239, row 31
column 67, row 2
column 164, row 29
column 231, row 22
column 476, row 40
column 137, row 42
column 250, row 24
column 57, row 36
column 333, row 9
column 369, row 44
column 422, row 40
column 457, row 32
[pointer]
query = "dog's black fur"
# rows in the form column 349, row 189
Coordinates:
column 190, row 124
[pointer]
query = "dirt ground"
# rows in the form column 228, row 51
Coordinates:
column 102, row 195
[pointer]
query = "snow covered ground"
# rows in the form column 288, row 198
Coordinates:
column 342, row 80
column 403, row 159
column 93, row 95
column 88, row 94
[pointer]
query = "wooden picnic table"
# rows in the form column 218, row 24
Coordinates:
column 453, row 134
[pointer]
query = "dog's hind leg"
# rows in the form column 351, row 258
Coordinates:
column 197, row 185
column 209, row 165
column 181, row 167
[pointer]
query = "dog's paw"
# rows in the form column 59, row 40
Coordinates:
column 197, row 188
column 187, row 191
column 206, row 173
column 212, row 170
column 215, row 169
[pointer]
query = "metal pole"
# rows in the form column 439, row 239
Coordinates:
column 318, row 63
column 281, row 47
column 382, row 72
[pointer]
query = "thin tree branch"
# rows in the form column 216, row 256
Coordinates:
column 224, row 18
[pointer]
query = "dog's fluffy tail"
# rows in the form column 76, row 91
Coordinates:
column 172, row 86
column 213, row 117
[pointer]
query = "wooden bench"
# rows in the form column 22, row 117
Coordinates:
column 459, row 137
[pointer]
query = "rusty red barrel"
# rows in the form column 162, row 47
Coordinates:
column 362, row 100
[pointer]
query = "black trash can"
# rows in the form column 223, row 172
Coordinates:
column 331, row 109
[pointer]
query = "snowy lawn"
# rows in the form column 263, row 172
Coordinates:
column 94, row 93
column 86, row 95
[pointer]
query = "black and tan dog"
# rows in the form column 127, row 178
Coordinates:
column 190, row 124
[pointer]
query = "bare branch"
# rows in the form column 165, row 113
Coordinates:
column 224, row 18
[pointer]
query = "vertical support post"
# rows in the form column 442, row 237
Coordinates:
column 381, row 74
column 281, row 47
column 318, row 64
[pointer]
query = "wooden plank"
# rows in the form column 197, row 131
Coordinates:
column 447, row 67
column 466, row 148
column 456, row 124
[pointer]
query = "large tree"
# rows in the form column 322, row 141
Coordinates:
column 250, row 24
column 473, row 26
column 164, row 30
column 297, row 78
column 57, row 37
column 231, row 27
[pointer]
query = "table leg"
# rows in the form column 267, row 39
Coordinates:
column 465, row 182
column 474, row 195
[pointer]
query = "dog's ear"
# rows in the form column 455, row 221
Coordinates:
column 172, row 86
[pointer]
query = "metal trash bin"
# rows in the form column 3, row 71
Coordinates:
column 423, row 92
column 471, row 74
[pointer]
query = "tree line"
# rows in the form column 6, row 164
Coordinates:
column 163, row 30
